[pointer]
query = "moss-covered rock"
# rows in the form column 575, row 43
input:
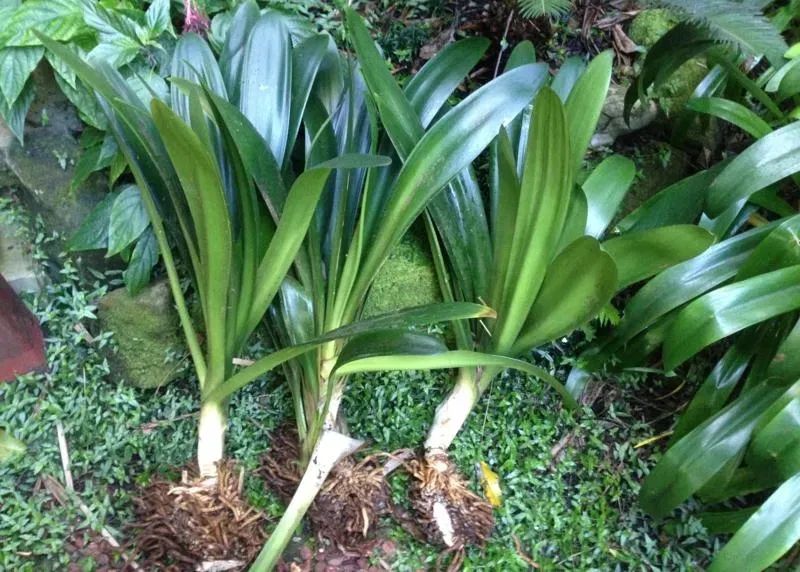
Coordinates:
column 649, row 25
column 145, row 328
column 646, row 29
column 408, row 278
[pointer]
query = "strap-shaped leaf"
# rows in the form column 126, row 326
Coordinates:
column 694, row 460
column 767, row 535
column 730, row 309
column 232, row 55
column 584, row 104
column 687, row 280
column 732, row 112
column 266, row 81
column 767, row 161
column 605, row 189
column 544, row 199
column 430, row 87
column 579, row 282
column 779, row 249
column 639, row 255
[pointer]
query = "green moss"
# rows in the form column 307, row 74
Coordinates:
column 145, row 329
column 407, row 279
column 649, row 25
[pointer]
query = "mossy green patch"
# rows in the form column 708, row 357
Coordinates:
column 646, row 29
column 407, row 279
column 146, row 331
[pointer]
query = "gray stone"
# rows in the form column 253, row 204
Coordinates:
column 42, row 170
column 612, row 122
column 145, row 328
column 16, row 260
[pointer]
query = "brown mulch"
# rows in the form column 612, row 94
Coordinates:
column 178, row 526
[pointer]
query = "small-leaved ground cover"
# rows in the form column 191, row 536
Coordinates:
column 569, row 481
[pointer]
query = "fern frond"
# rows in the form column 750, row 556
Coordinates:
column 738, row 24
column 538, row 8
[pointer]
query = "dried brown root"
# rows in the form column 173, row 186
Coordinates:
column 351, row 502
column 347, row 509
column 186, row 526
column 448, row 512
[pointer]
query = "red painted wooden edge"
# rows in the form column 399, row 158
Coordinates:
column 21, row 341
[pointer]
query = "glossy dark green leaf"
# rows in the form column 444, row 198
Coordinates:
column 127, row 219
column 605, row 189
column 730, row 309
column 266, row 82
column 767, row 161
column 779, row 249
column 306, row 59
column 429, row 88
column 694, row 460
column 93, row 233
column 639, row 255
column 687, row 280
column 726, row 522
column 775, row 448
column 578, row 283
column 679, row 203
column 767, row 535
column 732, row 112
column 140, row 266
column 232, row 55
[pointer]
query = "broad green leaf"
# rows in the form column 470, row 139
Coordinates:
column 193, row 60
column 10, row 446
column 639, row 255
column 767, row 535
column 400, row 319
column 232, row 55
column 306, row 59
column 605, row 189
column 127, row 219
column 567, row 76
column 60, row 19
column 578, row 283
column 430, row 87
column 767, row 161
column 93, row 233
column 157, row 18
column 448, row 147
column 785, row 365
column 780, row 248
column 15, row 114
column 730, row 309
column 687, row 280
column 16, row 65
column 545, row 190
column 116, row 51
column 266, row 81
column 140, row 266
column 726, row 522
column 694, row 460
column 398, row 344
column 679, row 203
column 775, row 448
column 732, row 112
column 450, row 360
column 584, row 104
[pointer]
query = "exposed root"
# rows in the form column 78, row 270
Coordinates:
column 194, row 525
column 353, row 498
column 448, row 512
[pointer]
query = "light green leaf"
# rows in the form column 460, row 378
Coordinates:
column 605, row 189
column 9, row 446
column 143, row 259
column 16, row 65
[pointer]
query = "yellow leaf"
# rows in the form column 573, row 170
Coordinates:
column 491, row 485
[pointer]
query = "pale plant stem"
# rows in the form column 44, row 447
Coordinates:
column 331, row 448
column 211, row 438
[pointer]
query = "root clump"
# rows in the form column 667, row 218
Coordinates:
column 196, row 525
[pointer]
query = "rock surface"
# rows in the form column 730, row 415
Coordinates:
column 42, row 170
column 612, row 122
column 16, row 259
column 145, row 328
